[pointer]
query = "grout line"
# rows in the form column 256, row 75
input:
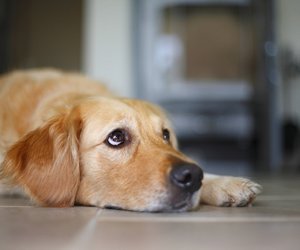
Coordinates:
column 83, row 238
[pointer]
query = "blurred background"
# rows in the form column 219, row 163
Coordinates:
column 227, row 71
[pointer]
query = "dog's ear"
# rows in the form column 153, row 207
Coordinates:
column 46, row 161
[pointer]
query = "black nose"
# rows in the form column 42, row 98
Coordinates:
column 187, row 177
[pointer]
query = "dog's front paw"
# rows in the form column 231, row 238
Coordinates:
column 229, row 191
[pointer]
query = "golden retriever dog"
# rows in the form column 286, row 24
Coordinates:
column 66, row 140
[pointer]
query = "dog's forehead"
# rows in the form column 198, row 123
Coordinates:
column 146, row 111
column 109, row 110
column 145, row 108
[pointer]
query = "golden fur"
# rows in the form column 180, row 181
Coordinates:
column 53, row 129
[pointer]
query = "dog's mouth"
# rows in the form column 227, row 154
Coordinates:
column 182, row 206
column 113, row 207
column 189, row 203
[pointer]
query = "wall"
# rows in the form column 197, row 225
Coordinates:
column 289, row 37
column 45, row 34
column 107, row 50
column 107, row 40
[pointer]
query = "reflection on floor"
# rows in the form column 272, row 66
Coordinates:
column 273, row 222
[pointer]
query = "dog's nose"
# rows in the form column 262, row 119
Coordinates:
column 187, row 177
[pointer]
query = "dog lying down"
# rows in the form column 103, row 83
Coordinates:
column 65, row 140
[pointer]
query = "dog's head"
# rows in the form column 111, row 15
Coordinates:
column 106, row 152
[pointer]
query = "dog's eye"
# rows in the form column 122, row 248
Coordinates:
column 166, row 135
column 117, row 138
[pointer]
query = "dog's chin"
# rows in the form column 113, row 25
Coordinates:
column 189, row 203
column 178, row 208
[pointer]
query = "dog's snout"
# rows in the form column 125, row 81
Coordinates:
column 187, row 177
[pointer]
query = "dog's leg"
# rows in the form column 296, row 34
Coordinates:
column 228, row 191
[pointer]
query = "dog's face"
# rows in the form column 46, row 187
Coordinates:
column 128, row 152
column 107, row 152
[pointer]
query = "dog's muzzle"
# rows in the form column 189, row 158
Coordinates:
column 186, row 177
column 185, row 181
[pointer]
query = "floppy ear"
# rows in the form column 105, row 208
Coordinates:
column 46, row 162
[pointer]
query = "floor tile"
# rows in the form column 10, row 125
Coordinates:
column 273, row 222
column 42, row 228
column 186, row 235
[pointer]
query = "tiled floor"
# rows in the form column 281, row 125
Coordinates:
column 272, row 223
